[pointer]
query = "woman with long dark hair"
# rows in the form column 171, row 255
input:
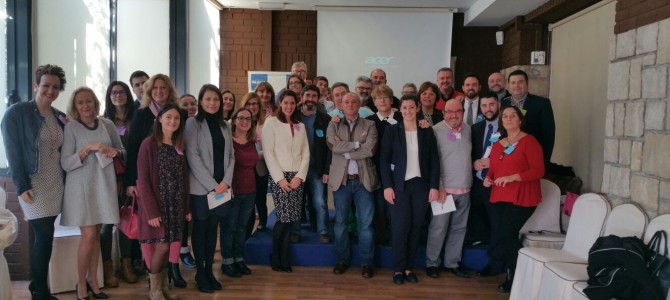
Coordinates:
column 286, row 153
column 120, row 109
column 209, row 149
column 163, row 196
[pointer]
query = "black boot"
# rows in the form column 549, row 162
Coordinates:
column 210, row 276
column 506, row 286
column 187, row 260
column 201, row 279
column 175, row 276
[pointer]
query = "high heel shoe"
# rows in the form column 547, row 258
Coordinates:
column 175, row 276
column 100, row 295
column 76, row 290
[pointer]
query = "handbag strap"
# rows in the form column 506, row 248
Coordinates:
column 658, row 242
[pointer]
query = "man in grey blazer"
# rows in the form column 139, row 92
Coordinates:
column 353, row 177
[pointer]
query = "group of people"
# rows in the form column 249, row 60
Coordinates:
column 469, row 161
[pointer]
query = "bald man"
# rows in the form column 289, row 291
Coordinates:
column 454, row 150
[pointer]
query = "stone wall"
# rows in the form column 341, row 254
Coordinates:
column 637, row 129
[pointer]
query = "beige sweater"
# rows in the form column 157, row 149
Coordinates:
column 285, row 150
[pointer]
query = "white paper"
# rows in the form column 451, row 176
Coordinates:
column 214, row 200
column 103, row 159
column 487, row 152
column 443, row 208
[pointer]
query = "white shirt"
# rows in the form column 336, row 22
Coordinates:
column 412, row 141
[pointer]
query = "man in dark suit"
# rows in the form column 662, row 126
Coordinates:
column 484, row 134
column 472, row 113
column 538, row 114
column 316, row 125
column 497, row 85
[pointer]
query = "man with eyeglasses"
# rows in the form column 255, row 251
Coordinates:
column 454, row 149
column 339, row 90
column 363, row 89
column 316, row 125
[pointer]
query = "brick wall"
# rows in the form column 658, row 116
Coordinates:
column 17, row 254
column 631, row 14
column 294, row 39
column 264, row 41
column 246, row 43
column 475, row 50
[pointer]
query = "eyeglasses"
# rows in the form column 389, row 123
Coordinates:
column 453, row 112
column 116, row 93
column 252, row 104
column 247, row 119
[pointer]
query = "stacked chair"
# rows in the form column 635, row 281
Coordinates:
column 586, row 225
column 543, row 228
column 558, row 278
column 661, row 222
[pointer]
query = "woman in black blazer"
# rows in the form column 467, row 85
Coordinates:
column 408, row 183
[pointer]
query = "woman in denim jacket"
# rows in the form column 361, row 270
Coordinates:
column 33, row 135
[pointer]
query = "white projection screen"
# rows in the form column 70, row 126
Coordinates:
column 409, row 46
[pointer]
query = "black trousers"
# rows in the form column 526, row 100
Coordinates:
column 479, row 223
column 407, row 218
column 43, row 231
column 506, row 221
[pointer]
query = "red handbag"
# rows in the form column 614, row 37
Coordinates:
column 128, row 223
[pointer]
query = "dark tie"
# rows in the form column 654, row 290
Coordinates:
column 469, row 117
column 487, row 143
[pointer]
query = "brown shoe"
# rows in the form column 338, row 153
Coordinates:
column 324, row 239
column 340, row 268
column 127, row 270
column 109, row 274
column 367, row 272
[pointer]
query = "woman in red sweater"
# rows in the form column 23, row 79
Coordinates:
column 516, row 169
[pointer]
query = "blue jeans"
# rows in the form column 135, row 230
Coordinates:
column 316, row 192
column 354, row 191
column 233, row 229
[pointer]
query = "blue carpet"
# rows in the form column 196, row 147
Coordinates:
column 309, row 252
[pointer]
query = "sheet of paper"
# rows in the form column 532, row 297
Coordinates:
column 103, row 159
column 443, row 208
column 214, row 200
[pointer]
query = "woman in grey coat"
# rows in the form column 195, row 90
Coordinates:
column 209, row 151
column 89, row 145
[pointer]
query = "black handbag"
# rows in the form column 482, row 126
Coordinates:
column 659, row 264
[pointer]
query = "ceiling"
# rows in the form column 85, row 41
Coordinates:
column 477, row 12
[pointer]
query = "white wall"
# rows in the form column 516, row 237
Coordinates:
column 578, row 91
column 74, row 35
column 143, row 37
column 203, row 45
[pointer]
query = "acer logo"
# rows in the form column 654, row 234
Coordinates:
column 378, row 60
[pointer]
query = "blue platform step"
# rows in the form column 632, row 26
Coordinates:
column 309, row 252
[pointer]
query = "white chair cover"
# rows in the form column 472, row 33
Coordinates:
column 587, row 222
column 545, row 221
column 559, row 277
column 9, row 228
column 577, row 291
column 63, row 264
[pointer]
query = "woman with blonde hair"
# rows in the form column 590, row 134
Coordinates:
column 158, row 92
column 252, row 102
column 267, row 95
column 89, row 145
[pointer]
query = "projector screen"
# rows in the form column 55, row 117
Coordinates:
column 409, row 46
